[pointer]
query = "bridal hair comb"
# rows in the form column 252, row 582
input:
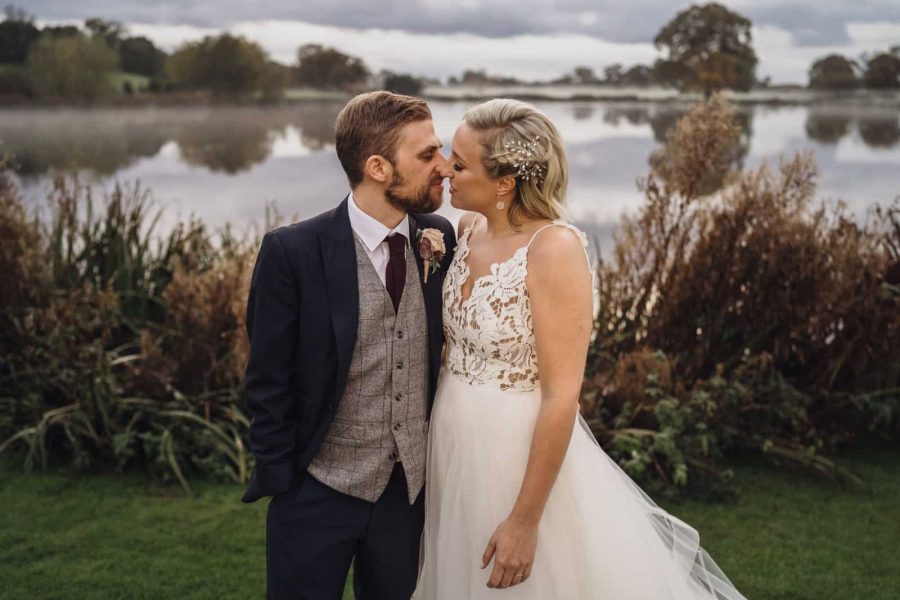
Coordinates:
column 523, row 156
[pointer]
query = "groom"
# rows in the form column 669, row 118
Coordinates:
column 344, row 318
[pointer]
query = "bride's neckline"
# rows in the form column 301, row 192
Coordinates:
column 495, row 266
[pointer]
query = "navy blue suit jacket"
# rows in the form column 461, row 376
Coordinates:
column 302, row 316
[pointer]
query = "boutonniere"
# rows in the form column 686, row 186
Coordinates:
column 431, row 249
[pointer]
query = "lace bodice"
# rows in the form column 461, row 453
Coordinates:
column 489, row 335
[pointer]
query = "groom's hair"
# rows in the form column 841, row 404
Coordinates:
column 370, row 124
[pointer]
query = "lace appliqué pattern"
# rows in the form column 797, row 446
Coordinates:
column 490, row 337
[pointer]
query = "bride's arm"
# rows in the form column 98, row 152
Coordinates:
column 559, row 287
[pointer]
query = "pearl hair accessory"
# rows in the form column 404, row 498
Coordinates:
column 523, row 159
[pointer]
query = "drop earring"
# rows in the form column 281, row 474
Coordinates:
column 500, row 203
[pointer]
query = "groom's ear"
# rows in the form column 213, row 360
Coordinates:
column 378, row 168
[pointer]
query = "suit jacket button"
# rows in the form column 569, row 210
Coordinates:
column 399, row 364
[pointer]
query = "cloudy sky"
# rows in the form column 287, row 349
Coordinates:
column 529, row 39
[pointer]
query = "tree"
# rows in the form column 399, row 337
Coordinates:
column 473, row 77
column 833, row 72
column 882, row 72
column 613, row 73
column 401, row 83
column 273, row 81
column 714, row 43
column 110, row 32
column 139, row 55
column 637, row 75
column 73, row 68
column 17, row 33
column 225, row 65
column 322, row 67
column 61, row 31
column 585, row 75
column 675, row 74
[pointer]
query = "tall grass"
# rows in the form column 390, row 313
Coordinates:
column 121, row 346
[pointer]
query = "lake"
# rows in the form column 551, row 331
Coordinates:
column 226, row 164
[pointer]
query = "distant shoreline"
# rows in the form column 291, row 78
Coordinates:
column 595, row 93
column 785, row 96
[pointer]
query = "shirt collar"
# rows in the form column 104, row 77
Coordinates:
column 369, row 229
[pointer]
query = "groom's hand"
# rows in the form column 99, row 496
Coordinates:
column 512, row 547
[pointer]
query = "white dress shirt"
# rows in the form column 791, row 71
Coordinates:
column 372, row 233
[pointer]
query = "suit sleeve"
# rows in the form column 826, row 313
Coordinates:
column 270, row 383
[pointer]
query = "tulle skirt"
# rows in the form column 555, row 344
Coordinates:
column 601, row 537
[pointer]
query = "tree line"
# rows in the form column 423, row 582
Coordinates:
column 99, row 59
column 878, row 71
column 709, row 47
column 706, row 47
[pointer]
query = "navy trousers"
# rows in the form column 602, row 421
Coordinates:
column 314, row 533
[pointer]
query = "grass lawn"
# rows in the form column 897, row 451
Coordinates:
column 789, row 536
column 138, row 82
column 296, row 93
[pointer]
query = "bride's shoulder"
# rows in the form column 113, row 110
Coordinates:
column 465, row 221
column 557, row 251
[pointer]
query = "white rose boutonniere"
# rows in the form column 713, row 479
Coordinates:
column 431, row 249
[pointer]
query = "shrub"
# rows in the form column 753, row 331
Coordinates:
column 742, row 319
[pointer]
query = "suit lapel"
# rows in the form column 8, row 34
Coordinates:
column 339, row 265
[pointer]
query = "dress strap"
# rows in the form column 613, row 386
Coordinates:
column 578, row 232
column 535, row 234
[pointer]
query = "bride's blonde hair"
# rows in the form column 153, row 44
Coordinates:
column 503, row 124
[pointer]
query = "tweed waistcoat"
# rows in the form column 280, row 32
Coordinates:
column 381, row 416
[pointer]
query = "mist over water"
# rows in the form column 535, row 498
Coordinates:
column 225, row 164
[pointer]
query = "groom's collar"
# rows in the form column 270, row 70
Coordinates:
column 369, row 229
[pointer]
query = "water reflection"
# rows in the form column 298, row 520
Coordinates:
column 316, row 124
column 222, row 140
column 45, row 141
column 224, row 164
column 229, row 147
column 583, row 112
column 880, row 132
column 662, row 120
column 635, row 115
column 233, row 140
column 877, row 129
column 827, row 128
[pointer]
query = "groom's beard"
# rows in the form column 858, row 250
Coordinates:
column 419, row 201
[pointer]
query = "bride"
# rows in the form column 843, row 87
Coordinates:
column 521, row 502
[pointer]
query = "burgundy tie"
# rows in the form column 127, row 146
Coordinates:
column 395, row 277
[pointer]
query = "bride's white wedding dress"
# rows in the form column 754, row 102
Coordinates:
column 600, row 538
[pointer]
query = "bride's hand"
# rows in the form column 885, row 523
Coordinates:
column 512, row 547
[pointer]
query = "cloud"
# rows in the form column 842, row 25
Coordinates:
column 433, row 55
column 783, row 59
column 529, row 39
column 810, row 22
